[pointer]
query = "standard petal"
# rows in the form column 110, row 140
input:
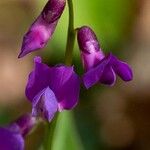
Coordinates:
column 38, row 79
column 109, row 76
column 45, row 104
column 10, row 140
column 69, row 95
column 87, row 40
column 59, row 75
column 91, row 53
column 122, row 69
column 66, row 85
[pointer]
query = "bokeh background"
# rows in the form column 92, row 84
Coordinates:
column 116, row 118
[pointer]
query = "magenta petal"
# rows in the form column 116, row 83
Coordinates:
column 45, row 104
column 10, row 140
column 122, row 69
column 109, row 76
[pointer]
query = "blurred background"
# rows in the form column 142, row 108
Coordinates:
column 116, row 118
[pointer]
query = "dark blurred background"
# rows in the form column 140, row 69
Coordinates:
column 115, row 118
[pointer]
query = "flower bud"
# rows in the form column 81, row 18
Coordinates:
column 43, row 28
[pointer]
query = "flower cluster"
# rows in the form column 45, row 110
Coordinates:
column 52, row 89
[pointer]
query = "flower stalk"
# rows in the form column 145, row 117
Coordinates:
column 49, row 133
column 70, row 36
column 50, row 127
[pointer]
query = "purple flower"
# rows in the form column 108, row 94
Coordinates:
column 52, row 89
column 42, row 29
column 98, row 67
column 25, row 124
column 12, row 137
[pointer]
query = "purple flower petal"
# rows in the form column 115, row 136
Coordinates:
column 66, row 85
column 105, row 72
column 94, row 75
column 91, row 54
column 69, row 95
column 45, row 104
column 38, row 79
column 42, row 29
column 109, row 76
column 53, row 10
column 10, row 140
column 37, row 36
column 122, row 69
column 90, row 60
column 87, row 40
column 59, row 75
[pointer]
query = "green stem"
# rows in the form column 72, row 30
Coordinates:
column 49, row 133
column 70, row 35
column 50, row 127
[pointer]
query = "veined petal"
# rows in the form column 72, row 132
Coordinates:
column 45, row 104
column 10, row 140
column 122, row 69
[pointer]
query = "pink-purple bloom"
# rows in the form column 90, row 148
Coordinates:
column 12, row 136
column 42, row 29
column 98, row 67
column 52, row 89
